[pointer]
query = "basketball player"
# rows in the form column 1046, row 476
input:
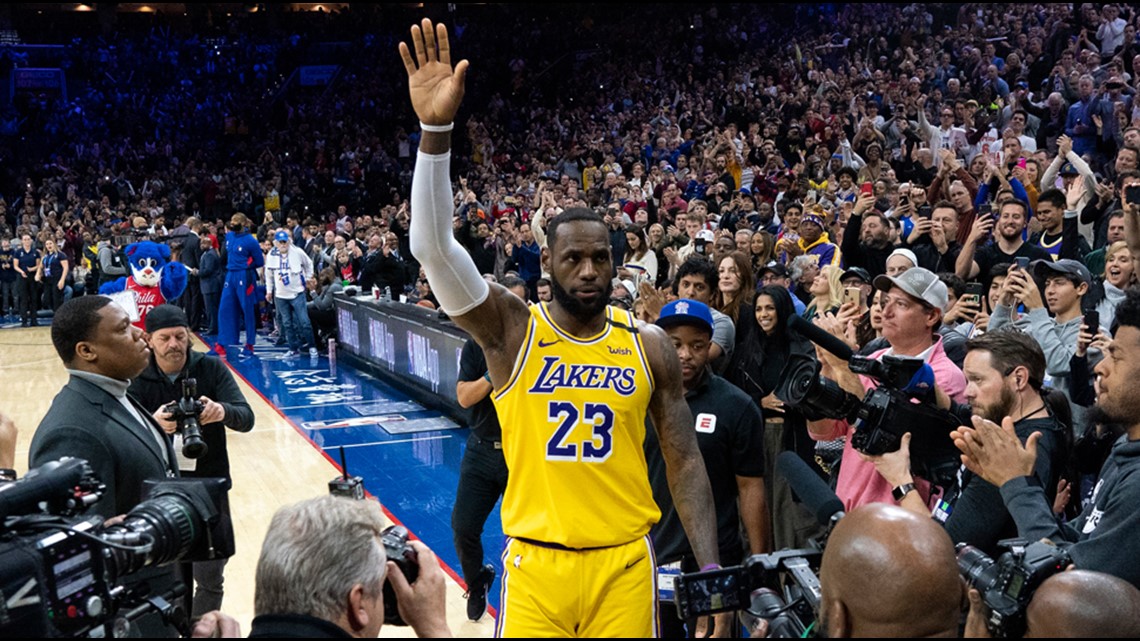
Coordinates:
column 573, row 381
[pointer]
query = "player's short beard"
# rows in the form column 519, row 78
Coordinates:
column 576, row 307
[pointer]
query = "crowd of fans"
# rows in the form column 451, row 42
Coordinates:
column 783, row 159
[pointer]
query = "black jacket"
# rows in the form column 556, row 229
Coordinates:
column 212, row 276
column 86, row 422
column 856, row 254
column 89, row 423
column 154, row 390
column 382, row 271
column 294, row 626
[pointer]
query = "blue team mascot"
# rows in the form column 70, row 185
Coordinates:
column 239, row 293
column 154, row 279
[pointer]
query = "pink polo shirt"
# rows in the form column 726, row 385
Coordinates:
column 859, row 481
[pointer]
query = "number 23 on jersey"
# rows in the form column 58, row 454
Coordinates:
column 594, row 449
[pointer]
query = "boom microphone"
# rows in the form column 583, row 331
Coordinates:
column 813, row 492
column 820, row 337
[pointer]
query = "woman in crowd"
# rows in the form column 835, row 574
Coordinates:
column 735, row 286
column 762, row 250
column 640, row 262
column 759, row 373
column 826, row 291
column 1118, row 275
column 658, row 241
column 803, row 270
column 54, row 268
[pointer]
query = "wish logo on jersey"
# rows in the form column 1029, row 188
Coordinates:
column 556, row 374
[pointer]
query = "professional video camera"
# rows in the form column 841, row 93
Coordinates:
column 781, row 587
column 903, row 402
column 1008, row 584
column 61, row 575
column 185, row 412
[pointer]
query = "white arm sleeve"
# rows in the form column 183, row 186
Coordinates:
column 454, row 279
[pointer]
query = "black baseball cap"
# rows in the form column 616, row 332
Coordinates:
column 856, row 272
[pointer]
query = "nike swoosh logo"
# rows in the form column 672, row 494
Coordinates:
column 542, row 344
column 630, row 565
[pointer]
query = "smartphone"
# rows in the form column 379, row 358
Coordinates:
column 1092, row 321
column 1021, row 163
column 925, row 211
column 984, row 210
column 1022, row 262
column 975, row 290
column 1132, row 194
column 866, row 189
column 853, row 295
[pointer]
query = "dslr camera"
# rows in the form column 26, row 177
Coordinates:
column 185, row 412
column 396, row 548
column 1007, row 585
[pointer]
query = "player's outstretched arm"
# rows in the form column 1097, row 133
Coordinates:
column 684, row 466
column 495, row 318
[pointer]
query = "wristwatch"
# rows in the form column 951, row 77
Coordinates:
column 900, row 492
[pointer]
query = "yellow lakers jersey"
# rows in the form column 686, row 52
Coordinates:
column 573, row 418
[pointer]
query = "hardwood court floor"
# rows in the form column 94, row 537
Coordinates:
column 271, row 466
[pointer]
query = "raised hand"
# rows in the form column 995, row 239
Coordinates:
column 435, row 87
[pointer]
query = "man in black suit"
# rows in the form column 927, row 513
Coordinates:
column 93, row 418
column 383, row 266
column 188, row 235
column 211, row 278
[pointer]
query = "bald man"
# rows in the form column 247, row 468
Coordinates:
column 1074, row 604
column 888, row 572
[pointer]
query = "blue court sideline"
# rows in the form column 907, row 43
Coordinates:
column 413, row 473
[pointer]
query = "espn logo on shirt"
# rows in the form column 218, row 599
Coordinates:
column 706, row 423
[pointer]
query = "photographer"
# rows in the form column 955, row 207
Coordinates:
column 160, row 385
column 913, row 304
column 322, row 570
column 1103, row 537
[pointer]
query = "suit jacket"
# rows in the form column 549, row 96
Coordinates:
column 212, row 277
column 88, row 423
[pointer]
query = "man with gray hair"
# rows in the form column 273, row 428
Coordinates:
column 322, row 570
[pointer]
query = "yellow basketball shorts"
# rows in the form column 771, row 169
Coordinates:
column 604, row 592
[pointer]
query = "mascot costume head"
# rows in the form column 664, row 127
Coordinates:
column 154, row 280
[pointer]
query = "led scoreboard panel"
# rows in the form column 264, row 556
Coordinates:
column 408, row 343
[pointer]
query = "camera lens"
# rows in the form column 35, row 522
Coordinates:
column 168, row 521
column 192, row 444
column 979, row 570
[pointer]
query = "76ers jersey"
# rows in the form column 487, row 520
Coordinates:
column 573, row 419
column 146, row 298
